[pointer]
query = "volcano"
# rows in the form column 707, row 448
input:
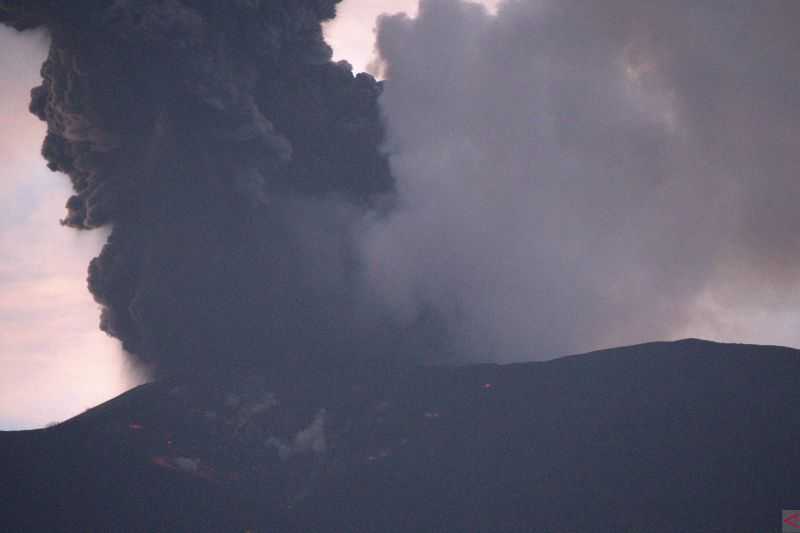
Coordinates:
column 687, row 436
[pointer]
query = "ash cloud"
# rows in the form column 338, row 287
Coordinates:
column 557, row 177
column 575, row 174
column 231, row 160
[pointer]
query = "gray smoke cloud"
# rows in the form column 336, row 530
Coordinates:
column 573, row 174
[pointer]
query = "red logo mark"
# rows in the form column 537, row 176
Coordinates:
column 793, row 520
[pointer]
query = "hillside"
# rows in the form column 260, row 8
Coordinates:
column 689, row 436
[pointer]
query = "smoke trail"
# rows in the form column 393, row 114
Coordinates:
column 230, row 157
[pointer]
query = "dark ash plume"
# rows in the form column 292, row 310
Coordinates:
column 230, row 157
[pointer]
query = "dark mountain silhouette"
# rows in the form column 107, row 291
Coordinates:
column 689, row 436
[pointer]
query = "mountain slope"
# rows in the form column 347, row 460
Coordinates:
column 688, row 436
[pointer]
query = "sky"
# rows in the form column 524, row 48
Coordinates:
column 568, row 179
column 55, row 362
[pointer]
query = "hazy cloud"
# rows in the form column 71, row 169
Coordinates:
column 578, row 174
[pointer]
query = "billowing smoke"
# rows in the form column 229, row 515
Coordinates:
column 570, row 174
column 231, row 159
column 574, row 174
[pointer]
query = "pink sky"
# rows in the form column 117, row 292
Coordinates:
column 55, row 362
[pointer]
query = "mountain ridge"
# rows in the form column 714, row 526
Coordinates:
column 689, row 436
